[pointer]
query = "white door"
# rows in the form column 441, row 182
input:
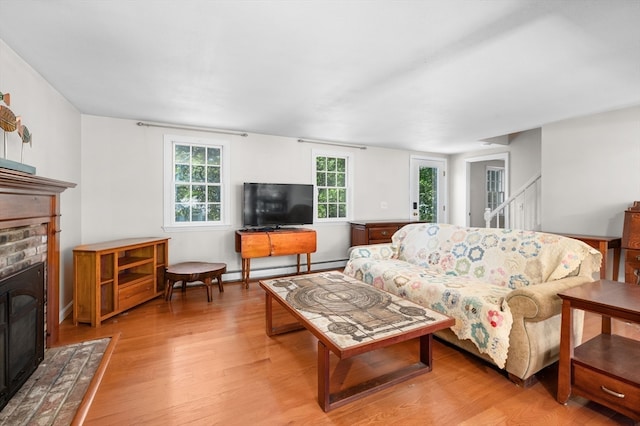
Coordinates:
column 428, row 186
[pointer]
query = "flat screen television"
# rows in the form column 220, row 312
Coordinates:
column 272, row 205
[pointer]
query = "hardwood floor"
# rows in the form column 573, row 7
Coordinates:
column 192, row 362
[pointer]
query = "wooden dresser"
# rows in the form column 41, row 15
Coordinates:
column 365, row 232
column 631, row 243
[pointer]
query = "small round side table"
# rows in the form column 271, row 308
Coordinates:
column 193, row 271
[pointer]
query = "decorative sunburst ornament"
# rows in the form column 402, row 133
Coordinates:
column 23, row 132
column 10, row 123
column 6, row 98
column 7, row 119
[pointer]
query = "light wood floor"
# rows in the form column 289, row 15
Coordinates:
column 189, row 362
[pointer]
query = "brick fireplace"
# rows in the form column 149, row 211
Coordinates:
column 26, row 201
column 29, row 269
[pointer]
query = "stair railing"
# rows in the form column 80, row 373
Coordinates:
column 521, row 210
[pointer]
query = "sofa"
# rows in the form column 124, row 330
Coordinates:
column 500, row 286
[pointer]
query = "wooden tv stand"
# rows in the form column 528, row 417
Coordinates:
column 113, row 276
column 278, row 242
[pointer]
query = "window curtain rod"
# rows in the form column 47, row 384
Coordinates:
column 200, row 129
column 346, row 145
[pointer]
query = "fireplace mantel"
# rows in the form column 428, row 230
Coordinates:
column 32, row 200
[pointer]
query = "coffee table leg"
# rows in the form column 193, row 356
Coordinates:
column 329, row 401
column 425, row 350
column 280, row 329
column 323, row 377
column 268, row 312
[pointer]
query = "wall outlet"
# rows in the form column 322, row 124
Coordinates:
column 384, row 205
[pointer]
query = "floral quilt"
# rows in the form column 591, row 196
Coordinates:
column 466, row 273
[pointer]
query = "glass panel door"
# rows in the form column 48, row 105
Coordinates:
column 495, row 194
column 428, row 189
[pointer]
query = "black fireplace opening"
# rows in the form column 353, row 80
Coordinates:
column 21, row 328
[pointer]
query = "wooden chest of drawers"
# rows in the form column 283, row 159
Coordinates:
column 632, row 266
column 631, row 228
column 631, row 242
column 375, row 231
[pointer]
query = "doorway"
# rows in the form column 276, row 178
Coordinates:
column 428, row 189
column 481, row 174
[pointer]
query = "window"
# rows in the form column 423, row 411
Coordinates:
column 332, row 176
column 195, row 182
column 495, row 187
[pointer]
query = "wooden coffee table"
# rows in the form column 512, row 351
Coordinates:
column 349, row 317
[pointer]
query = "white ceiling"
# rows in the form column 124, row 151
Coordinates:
column 433, row 75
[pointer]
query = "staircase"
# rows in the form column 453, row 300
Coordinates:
column 521, row 210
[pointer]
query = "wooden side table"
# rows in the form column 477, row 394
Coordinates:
column 188, row 272
column 603, row 244
column 605, row 369
column 280, row 242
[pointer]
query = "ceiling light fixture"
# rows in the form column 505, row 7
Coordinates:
column 346, row 145
column 199, row 129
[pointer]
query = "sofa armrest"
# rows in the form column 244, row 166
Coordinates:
column 539, row 302
column 373, row 251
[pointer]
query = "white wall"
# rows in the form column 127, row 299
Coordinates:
column 591, row 172
column 55, row 125
column 122, row 189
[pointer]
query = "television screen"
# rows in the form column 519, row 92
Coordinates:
column 277, row 204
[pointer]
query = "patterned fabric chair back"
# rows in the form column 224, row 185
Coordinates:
column 505, row 257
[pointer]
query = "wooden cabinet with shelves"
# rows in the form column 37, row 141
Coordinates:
column 114, row 276
column 375, row 231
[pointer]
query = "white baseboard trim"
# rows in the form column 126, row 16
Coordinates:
column 65, row 312
column 284, row 270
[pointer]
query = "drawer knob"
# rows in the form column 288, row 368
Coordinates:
column 612, row 393
column 385, row 234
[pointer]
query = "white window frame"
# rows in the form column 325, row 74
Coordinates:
column 497, row 171
column 315, row 153
column 169, row 183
